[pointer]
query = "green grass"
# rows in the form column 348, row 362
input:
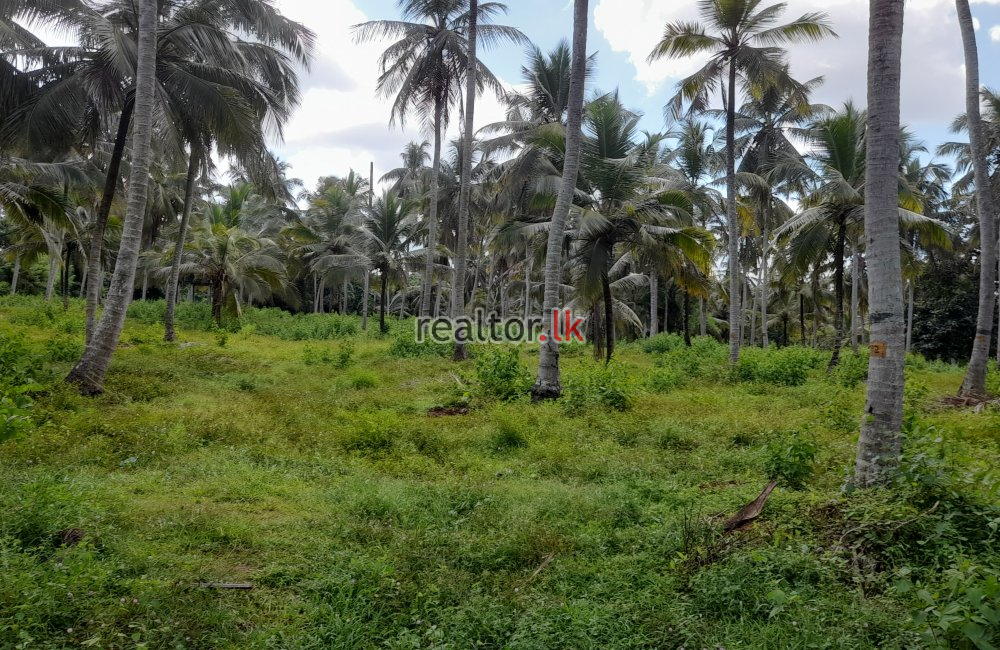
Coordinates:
column 318, row 476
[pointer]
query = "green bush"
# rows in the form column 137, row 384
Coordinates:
column 340, row 358
column 852, row 369
column 790, row 459
column 508, row 433
column 362, row 379
column 63, row 348
column 21, row 374
column 662, row 343
column 666, row 378
column 501, row 374
column 781, row 367
column 405, row 346
column 606, row 386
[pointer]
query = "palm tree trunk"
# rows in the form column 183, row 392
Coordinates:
column 383, row 296
column 89, row 372
column 838, row 292
column 702, row 317
column 609, row 318
column 104, row 210
column 217, row 304
column 425, row 298
column 909, row 317
column 527, row 286
column 765, row 276
column 175, row 262
column 462, row 247
column 548, row 384
column 50, row 285
column 879, row 444
column 364, row 302
column 802, row 318
column 83, row 280
column 687, row 318
column 402, row 302
column 439, row 298
column 145, row 283
column 855, row 296
column 15, row 274
column 743, row 316
column 975, row 375
column 64, row 287
column 343, row 298
column 654, row 309
column 753, row 317
column 735, row 307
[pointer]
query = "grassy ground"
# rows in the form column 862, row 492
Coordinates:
column 312, row 470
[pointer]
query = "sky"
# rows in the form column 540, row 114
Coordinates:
column 343, row 124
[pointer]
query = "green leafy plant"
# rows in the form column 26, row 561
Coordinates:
column 790, row 459
column 609, row 386
column 501, row 374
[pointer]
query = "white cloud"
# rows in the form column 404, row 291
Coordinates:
column 634, row 26
column 995, row 33
column 342, row 123
column 976, row 24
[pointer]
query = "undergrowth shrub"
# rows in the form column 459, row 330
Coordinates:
column 663, row 342
column 609, row 386
column 405, row 346
column 665, row 378
column 790, row 459
column 508, row 432
column 362, row 379
column 63, row 348
column 781, row 367
column 21, row 374
column 341, row 357
column 300, row 327
column 852, row 369
column 961, row 610
column 501, row 374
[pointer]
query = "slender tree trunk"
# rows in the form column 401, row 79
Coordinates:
column 217, row 304
column 89, row 372
column 753, row 317
column 191, row 292
column 654, row 290
column 765, row 282
column 909, row 317
column 383, row 297
column 527, row 285
column 439, row 297
column 64, row 288
column 702, row 317
column 665, row 326
column 402, row 302
column 609, row 318
column 687, row 318
column 735, row 307
column 364, row 301
column 50, row 285
column 15, row 274
column 548, row 384
column 343, row 298
column 838, row 292
column 145, row 283
column 975, row 375
column 802, row 318
column 84, row 279
column 175, row 263
column 104, row 210
column 743, row 315
column 425, row 299
column 855, row 296
column 879, row 444
column 462, row 247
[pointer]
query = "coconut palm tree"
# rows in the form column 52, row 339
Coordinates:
column 90, row 370
column 548, row 384
column 974, row 384
column 742, row 40
column 880, row 443
column 389, row 227
column 423, row 69
column 834, row 175
column 632, row 206
column 468, row 144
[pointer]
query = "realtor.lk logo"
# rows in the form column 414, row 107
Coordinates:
column 483, row 328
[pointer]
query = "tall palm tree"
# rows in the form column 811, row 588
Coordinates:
column 548, row 384
column 229, row 253
column 631, row 206
column 90, row 370
column 423, row 68
column 468, row 143
column 974, row 384
column 389, row 228
column 743, row 42
column 880, row 442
